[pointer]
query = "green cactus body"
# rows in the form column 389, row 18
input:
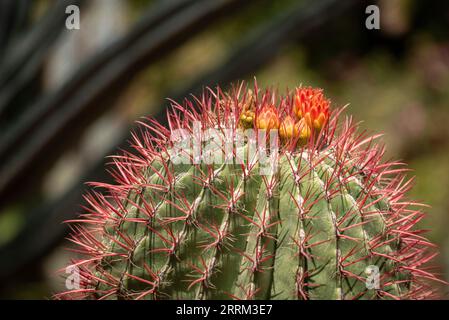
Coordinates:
column 311, row 229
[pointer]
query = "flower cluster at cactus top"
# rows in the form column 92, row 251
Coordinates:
column 309, row 112
column 293, row 121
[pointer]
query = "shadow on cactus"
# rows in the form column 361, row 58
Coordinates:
column 253, row 195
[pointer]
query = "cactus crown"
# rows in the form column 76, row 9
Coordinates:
column 207, row 220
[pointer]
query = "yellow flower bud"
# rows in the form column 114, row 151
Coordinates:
column 268, row 119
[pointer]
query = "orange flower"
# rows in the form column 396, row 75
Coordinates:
column 311, row 105
column 287, row 128
column 302, row 130
column 268, row 118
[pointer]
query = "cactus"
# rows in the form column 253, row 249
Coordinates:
column 217, row 207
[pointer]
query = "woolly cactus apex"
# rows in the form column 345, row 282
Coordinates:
column 217, row 207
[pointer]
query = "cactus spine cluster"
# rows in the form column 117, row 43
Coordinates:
column 326, row 218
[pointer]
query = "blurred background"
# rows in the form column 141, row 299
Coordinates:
column 68, row 98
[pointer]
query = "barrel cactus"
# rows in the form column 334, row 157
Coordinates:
column 250, row 194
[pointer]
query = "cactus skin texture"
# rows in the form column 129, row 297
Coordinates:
column 309, row 230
